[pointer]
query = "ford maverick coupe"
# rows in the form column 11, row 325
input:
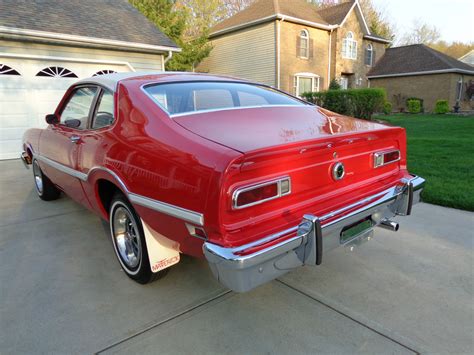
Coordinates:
column 255, row 180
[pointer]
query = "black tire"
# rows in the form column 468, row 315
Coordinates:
column 45, row 189
column 121, row 209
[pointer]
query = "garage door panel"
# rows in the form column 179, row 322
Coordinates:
column 26, row 99
column 14, row 120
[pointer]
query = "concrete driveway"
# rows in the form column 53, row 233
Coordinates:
column 62, row 290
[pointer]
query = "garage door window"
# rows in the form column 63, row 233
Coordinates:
column 56, row 72
column 6, row 70
column 106, row 71
column 78, row 107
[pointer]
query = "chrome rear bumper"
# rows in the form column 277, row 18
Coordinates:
column 241, row 271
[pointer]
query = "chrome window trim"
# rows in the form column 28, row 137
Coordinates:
column 163, row 207
column 377, row 154
column 238, row 191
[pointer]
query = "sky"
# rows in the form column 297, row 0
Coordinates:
column 453, row 18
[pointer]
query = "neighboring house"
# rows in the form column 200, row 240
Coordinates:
column 420, row 71
column 294, row 46
column 468, row 58
column 47, row 45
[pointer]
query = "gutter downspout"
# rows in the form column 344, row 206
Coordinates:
column 168, row 57
column 278, row 69
column 329, row 57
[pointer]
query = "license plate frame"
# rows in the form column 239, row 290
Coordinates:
column 355, row 230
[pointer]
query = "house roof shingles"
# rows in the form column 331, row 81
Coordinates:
column 415, row 58
column 262, row 9
column 336, row 14
column 105, row 19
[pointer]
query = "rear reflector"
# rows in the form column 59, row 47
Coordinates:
column 256, row 194
column 384, row 158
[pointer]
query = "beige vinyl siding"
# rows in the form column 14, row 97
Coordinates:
column 138, row 61
column 248, row 54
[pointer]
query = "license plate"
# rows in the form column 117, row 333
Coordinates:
column 355, row 230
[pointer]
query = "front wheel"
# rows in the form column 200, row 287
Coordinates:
column 129, row 242
column 44, row 187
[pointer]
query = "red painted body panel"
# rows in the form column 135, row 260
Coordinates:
column 196, row 162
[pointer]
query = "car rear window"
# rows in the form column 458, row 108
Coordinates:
column 198, row 96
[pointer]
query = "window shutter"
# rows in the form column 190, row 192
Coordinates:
column 367, row 57
column 311, row 47
column 373, row 57
column 298, row 46
column 321, row 84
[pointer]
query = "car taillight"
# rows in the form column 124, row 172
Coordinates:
column 256, row 194
column 384, row 158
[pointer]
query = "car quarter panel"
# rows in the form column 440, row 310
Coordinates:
column 147, row 155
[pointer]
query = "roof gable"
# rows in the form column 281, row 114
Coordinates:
column 268, row 10
column 336, row 14
column 114, row 20
column 416, row 59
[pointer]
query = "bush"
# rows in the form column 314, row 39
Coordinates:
column 441, row 107
column 414, row 106
column 387, row 107
column 361, row 103
column 334, row 85
column 422, row 109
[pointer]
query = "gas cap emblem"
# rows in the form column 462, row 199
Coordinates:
column 338, row 171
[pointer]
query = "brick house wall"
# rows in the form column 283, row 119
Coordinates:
column 291, row 63
column 430, row 88
column 356, row 70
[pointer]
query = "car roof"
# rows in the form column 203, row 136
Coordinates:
column 110, row 81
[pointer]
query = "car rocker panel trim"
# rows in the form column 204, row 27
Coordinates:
column 166, row 208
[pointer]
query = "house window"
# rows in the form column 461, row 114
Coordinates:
column 6, row 70
column 56, row 72
column 369, row 55
column 349, row 47
column 304, row 44
column 106, row 71
column 306, row 82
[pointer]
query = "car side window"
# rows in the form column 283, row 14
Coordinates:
column 76, row 112
column 104, row 114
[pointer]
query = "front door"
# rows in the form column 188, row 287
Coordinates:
column 344, row 82
column 60, row 144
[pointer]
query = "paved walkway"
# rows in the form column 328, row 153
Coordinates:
column 62, row 290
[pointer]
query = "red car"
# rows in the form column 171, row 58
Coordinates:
column 255, row 180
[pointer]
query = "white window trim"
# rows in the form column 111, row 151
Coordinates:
column 349, row 39
column 314, row 82
column 304, row 37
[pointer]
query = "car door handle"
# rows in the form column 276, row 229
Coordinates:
column 75, row 139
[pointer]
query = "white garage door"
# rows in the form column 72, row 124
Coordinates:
column 32, row 88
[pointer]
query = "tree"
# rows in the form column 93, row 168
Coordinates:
column 187, row 23
column 421, row 33
column 453, row 49
column 234, row 6
column 377, row 20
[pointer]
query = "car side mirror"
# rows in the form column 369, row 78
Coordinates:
column 52, row 119
column 73, row 123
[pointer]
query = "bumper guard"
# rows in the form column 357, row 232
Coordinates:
column 241, row 271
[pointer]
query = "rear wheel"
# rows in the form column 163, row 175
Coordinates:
column 129, row 242
column 44, row 187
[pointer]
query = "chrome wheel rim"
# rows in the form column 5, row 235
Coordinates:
column 38, row 177
column 126, row 237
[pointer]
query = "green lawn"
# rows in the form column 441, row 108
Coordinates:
column 441, row 150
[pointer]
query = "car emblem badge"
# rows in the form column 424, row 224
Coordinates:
column 338, row 171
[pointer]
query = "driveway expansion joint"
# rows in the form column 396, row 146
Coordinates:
column 348, row 317
column 167, row 320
